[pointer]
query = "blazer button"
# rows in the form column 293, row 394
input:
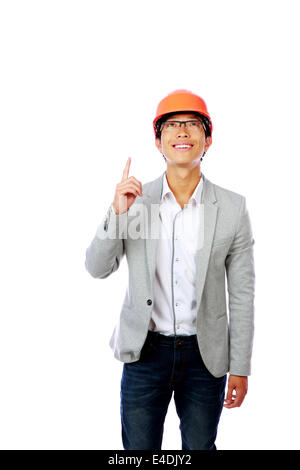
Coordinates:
column 149, row 301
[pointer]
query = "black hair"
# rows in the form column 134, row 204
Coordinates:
column 203, row 118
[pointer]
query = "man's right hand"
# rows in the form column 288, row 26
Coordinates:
column 126, row 191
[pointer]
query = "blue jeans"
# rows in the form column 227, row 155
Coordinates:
column 167, row 364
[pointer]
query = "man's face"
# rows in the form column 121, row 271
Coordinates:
column 171, row 138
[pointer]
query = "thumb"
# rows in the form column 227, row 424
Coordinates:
column 229, row 394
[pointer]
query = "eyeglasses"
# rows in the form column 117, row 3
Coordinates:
column 192, row 124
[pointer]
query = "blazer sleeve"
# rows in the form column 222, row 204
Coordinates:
column 104, row 254
column 240, row 273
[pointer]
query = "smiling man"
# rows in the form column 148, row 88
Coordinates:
column 174, row 334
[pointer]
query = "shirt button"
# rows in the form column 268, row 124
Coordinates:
column 177, row 304
column 149, row 301
column 177, row 259
column 176, row 282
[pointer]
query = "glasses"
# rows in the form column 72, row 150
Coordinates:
column 192, row 124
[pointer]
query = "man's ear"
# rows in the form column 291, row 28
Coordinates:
column 208, row 143
column 158, row 144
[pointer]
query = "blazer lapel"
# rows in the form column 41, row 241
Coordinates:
column 209, row 218
column 152, row 202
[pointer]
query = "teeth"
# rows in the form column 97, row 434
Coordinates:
column 182, row 146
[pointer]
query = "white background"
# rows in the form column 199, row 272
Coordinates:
column 80, row 82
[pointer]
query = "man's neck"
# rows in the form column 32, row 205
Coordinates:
column 182, row 182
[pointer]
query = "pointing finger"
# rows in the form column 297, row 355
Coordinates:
column 126, row 169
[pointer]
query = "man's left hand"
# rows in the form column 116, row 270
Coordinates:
column 239, row 385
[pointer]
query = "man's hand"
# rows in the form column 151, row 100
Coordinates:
column 126, row 191
column 240, row 386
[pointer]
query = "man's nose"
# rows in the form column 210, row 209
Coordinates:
column 182, row 131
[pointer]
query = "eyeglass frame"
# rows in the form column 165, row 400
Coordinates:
column 181, row 122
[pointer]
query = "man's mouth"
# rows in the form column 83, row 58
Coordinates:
column 182, row 147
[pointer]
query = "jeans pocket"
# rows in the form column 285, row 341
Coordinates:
column 149, row 347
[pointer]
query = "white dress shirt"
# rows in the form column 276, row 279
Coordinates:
column 174, row 292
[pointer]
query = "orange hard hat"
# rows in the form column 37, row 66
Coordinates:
column 181, row 100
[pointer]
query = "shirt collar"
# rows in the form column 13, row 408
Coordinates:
column 196, row 196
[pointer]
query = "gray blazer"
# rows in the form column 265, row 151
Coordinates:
column 225, row 338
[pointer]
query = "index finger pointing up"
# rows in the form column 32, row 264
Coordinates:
column 126, row 169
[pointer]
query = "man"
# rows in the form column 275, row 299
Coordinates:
column 173, row 334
